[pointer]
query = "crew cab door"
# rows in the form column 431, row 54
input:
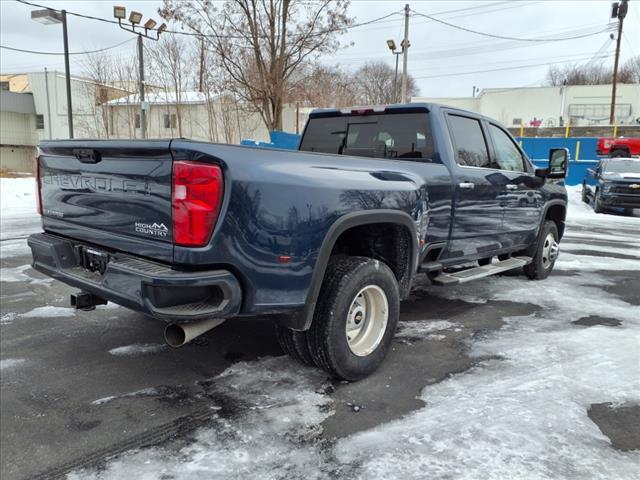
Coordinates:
column 477, row 219
column 520, row 195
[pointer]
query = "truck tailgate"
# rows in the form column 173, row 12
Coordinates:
column 112, row 193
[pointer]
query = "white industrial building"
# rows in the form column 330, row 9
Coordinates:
column 551, row 106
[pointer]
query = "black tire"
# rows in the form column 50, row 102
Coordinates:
column 344, row 279
column 541, row 266
column 484, row 261
column 628, row 212
column 597, row 203
column 619, row 153
column 585, row 196
column 294, row 344
column 504, row 256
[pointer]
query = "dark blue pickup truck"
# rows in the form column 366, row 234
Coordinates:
column 324, row 241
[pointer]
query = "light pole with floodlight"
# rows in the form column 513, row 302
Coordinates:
column 50, row 17
column 392, row 46
column 135, row 18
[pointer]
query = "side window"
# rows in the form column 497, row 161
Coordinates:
column 469, row 142
column 508, row 156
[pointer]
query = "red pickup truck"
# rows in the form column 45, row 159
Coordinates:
column 618, row 147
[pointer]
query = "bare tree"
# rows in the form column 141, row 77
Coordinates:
column 172, row 63
column 261, row 43
column 374, row 84
column 593, row 73
column 320, row 85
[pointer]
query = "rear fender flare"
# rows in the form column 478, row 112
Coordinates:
column 302, row 320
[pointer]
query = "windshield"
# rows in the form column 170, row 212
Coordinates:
column 399, row 135
column 622, row 166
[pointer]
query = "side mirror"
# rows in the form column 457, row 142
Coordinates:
column 558, row 163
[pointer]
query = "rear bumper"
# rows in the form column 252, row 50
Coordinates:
column 139, row 284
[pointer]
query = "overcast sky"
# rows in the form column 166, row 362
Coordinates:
column 445, row 61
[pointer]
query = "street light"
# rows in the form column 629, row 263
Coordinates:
column 135, row 18
column 50, row 17
column 392, row 46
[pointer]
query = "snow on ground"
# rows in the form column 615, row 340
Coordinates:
column 522, row 414
column 17, row 274
column 11, row 363
column 18, row 216
column 49, row 312
column 271, row 438
column 137, row 349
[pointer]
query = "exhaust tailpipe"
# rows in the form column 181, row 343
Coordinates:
column 179, row 334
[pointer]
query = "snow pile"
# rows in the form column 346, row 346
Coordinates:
column 582, row 215
column 18, row 216
column 137, row 349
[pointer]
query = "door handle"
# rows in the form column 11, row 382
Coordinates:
column 467, row 185
column 511, row 186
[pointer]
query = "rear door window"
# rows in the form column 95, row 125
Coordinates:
column 508, row 155
column 405, row 136
column 468, row 141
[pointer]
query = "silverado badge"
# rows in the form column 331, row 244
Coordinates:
column 634, row 185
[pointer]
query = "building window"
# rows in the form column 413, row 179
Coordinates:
column 517, row 121
column 39, row 122
column 4, row 86
column 170, row 120
column 137, row 120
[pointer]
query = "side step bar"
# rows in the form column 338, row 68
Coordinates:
column 469, row 274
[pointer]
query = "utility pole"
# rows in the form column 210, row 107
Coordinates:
column 143, row 120
column 405, row 52
column 619, row 11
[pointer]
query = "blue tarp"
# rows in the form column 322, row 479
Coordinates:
column 285, row 140
column 580, row 158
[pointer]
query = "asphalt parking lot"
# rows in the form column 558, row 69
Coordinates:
column 503, row 378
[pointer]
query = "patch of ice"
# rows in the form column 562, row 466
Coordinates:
column 570, row 261
column 137, row 349
column 17, row 274
column 272, row 436
column 103, row 400
column 14, row 248
column 10, row 363
column 8, row 318
column 108, row 306
column 422, row 328
column 589, row 247
column 49, row 312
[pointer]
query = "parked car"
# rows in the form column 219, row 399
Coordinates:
column 324, row 241
column 618, row 147
column 615, row 183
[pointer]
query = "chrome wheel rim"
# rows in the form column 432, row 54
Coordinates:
column 550, row 250
column 367, row 320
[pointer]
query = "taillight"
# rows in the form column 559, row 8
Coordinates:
column 195, row 199
column 38, row 193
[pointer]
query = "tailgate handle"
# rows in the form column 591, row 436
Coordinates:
column 86, row 155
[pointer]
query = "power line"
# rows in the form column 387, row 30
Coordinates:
column 499, row 69
column 503, row 37
column 211, row 35
column 37, row 52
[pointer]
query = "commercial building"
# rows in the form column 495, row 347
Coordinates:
column 581, row 105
